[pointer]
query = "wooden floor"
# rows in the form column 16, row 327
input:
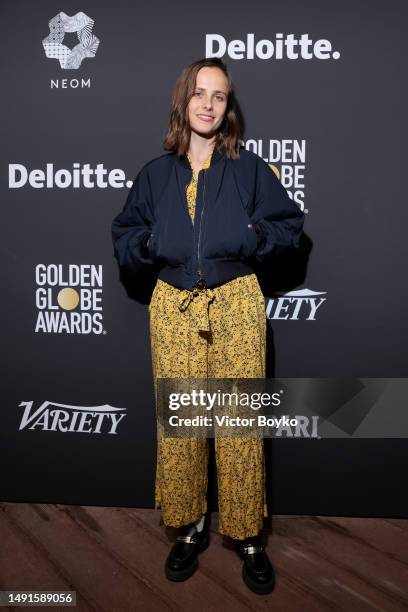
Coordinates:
column 113, row 558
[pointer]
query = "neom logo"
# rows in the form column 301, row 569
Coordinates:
column 70, row 59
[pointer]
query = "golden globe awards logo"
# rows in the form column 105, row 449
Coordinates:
column 68, row 299
column 287, row 158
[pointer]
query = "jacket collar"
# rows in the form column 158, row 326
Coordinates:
column 216, row 156
column 214, row 178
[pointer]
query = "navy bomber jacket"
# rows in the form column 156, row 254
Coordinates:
column 243, row 215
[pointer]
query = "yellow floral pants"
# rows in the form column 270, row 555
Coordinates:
column 219, row 333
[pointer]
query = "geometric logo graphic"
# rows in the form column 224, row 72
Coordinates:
column 53, row 44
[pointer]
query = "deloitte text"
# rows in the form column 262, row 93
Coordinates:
column 283, row 47
column 69, row 299
column 79, row 176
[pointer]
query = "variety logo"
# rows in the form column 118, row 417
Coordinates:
column 87, row 46
column 283, row 47
column 50, row 416
column 68, row 299
column 294, row 305
column 287, row 158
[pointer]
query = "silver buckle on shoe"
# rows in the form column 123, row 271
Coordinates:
column 188, row 539
column 250, row 549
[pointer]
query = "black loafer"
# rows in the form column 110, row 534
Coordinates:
column 182, row 561
column 257, row 571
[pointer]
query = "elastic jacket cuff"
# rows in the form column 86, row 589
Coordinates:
column 260, row 236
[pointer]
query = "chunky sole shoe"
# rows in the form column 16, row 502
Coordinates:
column 257, row 571
column 261, row 588
column 182, row 561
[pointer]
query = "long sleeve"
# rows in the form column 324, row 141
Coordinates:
column 132, row 227
column 277, row 220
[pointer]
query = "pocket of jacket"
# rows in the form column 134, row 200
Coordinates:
column 150, row 245
column 152, row 242
column 252, row 238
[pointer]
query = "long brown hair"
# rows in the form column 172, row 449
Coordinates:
column 178, row 134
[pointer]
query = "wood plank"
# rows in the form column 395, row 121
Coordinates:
column 401, row 523
column 138, row 545
column 348, row 563
column 114, row 557
column 104, row 581
column 384, row 536
column 221, row 563
column 319, row 578
column 24, row 567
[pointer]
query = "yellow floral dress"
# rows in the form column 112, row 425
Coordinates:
column 219, row 333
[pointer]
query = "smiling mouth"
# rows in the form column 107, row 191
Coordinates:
column 206, row 118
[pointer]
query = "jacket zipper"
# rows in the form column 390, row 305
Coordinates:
column 200, row 274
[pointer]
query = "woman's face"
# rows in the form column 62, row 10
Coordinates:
column 208, row 103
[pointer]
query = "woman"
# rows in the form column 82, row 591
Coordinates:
column 203, row 214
